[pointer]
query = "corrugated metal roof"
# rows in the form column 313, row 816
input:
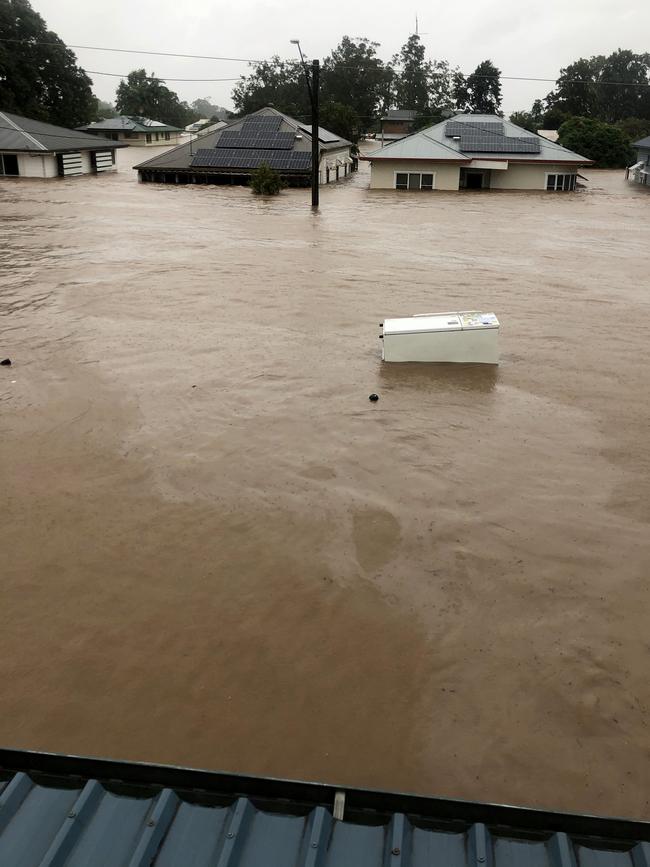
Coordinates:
column 24, row 134
column 129, row 123
column 400, row 114
column 642, row 143
column 61, row 811
column 426, row 144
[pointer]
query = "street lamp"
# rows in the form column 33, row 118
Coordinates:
column 312, row 90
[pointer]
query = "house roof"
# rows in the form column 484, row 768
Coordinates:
column 24, row 134
column 400, row 114
column 642, row 143
column 130, row 123
column 437, row 143
column 184, row 155
column 72, row 812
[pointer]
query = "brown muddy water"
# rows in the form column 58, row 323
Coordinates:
column 217, row 552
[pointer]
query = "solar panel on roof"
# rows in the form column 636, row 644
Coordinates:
column 456, row 127
column 241, row 158
column 270, row 122
column 260, row 139
column 485, row 143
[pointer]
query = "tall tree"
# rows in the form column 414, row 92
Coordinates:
column 146, row 96
column 413, row 74
column 204, row 107
column 36, row 80
column 484, row 86
column 275, row 82
column 353, row 75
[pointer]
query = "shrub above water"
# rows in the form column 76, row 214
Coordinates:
column 265, row 181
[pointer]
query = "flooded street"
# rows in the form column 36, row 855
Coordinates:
column 217, row 552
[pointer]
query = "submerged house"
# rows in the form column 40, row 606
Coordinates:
column 135, row 131
column 34, row 149
column 230, row 154
column 397, row 124
column 640, row 171
column 474, row 151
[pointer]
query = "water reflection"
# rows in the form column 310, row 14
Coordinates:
column 419, row 376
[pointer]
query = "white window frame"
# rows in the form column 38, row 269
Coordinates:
column 560, row 189
column 419, row 189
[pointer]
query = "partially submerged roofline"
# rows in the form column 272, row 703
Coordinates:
column 309, row 794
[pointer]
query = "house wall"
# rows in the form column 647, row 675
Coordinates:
column 643, row 154
column 331, row 157
column 37, row 166
column 527, row 177
column 382, row 173
column 139, row 139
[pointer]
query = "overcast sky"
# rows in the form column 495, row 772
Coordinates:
column 523, row 38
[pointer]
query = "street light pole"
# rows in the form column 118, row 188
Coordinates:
column 312, row 90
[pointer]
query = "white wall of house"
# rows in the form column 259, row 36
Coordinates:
column 139, row 139
column 527, row 177
column 37, row 165
column 382, row 173
column 331, row 157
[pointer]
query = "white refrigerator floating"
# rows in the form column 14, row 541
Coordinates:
column 470, row 336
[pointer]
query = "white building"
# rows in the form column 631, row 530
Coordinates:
column 34, row 149
column 135, row 131
column 640, row 171
column 474, row 151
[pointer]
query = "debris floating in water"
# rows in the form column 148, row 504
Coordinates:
column 373, row 397
column 6, row 362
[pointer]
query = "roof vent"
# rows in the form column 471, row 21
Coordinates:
column 298, row 137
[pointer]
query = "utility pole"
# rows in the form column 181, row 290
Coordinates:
column 315, row 143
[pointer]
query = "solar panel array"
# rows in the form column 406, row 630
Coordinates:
column 457, row 127
column 261, row 138
column 249, row 158
column 488, row 137
column 269, row 122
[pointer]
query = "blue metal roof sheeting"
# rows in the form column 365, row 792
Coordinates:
column 69, row 821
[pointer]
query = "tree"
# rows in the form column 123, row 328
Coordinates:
column 265, row 181
column 608, row 88
column 480, row 92
column 634, row 128
column 205, row 108
column 601, row 142
column 104, row 110
column 274, row 82
column 36, row 80
column 353, row 75
column 340, row 119
column 146, row 96
column 412, row 76
column 524, row 119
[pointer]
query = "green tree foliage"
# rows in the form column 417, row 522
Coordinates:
column 265, row 181
column 340, row 119
column 353, row 75
column 275, row 82
column 601, row 142
column 146, row 96
column 412, row 77
column 104, row 110
column 589, row 87
column 524, row 119
column 634, row 128
column 205, row 108
column 40, row 81
column 480, row 92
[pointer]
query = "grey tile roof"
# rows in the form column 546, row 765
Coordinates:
column 130, row 124
column 24, row 134
column 181, row 157
column 400, row 114
column 432, row 143
column 642, row 143
column 61, row 811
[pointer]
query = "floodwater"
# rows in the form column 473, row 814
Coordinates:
column 217, row 552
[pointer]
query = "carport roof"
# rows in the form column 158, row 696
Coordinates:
column 25, row 134
column 74, row 812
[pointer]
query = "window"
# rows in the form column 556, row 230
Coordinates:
column 8, row 164
column 414, row 181
column 166, row 136
column 148, row 138
column 560, row 182
column 157, row 136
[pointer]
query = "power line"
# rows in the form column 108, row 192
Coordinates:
column 158, row 77
column 132, row 51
